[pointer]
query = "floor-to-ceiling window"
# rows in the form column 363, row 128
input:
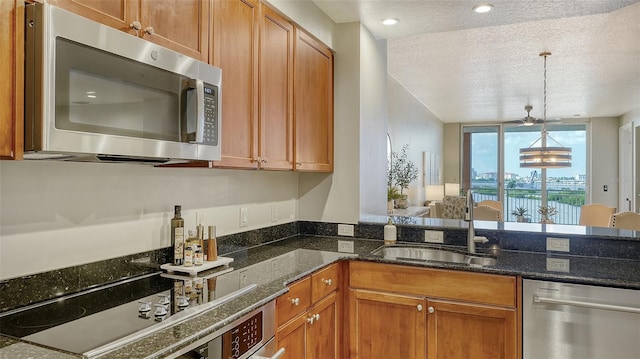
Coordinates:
column 491, row 168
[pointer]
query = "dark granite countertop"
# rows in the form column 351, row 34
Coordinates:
column 301, row 255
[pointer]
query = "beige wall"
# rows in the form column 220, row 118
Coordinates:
column 604, row 160
column 411, row 123
column 452, row 153
column 59, row 214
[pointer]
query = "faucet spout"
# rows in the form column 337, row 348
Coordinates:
column 471, row 235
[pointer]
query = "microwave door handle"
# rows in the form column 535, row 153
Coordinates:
column 199, row 88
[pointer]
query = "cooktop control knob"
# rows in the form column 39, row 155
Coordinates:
column 160, row 313
column 145, row 307
column 183, row 302
column 163, row 299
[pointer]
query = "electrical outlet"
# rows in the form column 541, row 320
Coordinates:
column 558, row 244
column 345, row 246
column 345, row 230
column 558, row 265
column 274, row 212
column 244, row 216
column 243, row 277
column 433, row 236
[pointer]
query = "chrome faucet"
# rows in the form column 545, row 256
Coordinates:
column 471, row 233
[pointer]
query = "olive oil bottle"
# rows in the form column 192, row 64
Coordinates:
column 177, row 236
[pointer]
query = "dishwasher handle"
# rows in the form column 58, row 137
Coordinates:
column 593, row 305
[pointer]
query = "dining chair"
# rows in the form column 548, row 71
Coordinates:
column 486, row 213
column 493, row 204
column 595, row 215
column 625, row 220
column 454, row 207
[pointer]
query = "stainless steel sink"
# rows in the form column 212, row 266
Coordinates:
column 417, row 253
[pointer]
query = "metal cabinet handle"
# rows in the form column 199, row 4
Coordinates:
column 310, row 320
column 149, row 30
column 135, row 26
column 298, row 163
column 317, row 316
column 295, row 301
column 431, row 310
column 419, row 307
column 327, row 281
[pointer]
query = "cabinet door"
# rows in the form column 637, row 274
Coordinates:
column 235, row 51
column 118, row 14
column 385, row 325
column 322, row 332
column 292, row 337
column 313, row 86
column 12, row 75
column 276, row 91
column 457, row 330
column 180, row 25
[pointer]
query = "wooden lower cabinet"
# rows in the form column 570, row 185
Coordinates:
column 313, row 334
column 408, row 312
column 386, row 325
column 465, row 330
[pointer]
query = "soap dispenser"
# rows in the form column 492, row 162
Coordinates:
column 390, row 233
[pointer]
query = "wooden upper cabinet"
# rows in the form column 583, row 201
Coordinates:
column 180, row 25
column 118, row 14
column 276, row 91
column 235, row 51
column 313, row 107
column 11, row 73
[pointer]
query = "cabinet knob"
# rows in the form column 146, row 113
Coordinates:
column 317, row 316
column 135, row 26
column 419, row 307
column 295, row 301
column 310, row 320
column 149, row 30
column 264, row 160
column 327, row 281
column 298, row 164
column 431, row 310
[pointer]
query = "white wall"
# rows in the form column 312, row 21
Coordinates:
column 410, row 122
column 373, row 124
column 604, row 160
column 58, row 214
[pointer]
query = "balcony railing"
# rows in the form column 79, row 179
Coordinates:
column 566, row 202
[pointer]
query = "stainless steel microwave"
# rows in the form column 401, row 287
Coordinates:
column 93, row 92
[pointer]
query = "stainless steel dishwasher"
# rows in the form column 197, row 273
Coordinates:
column 571, row 321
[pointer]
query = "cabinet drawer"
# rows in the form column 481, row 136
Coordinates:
column 324, row 282
column 434, row 283
column 296, row 301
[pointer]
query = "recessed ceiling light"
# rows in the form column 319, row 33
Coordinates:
column 390, row 21
column 481, row 9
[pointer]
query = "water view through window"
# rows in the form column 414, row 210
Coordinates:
column 521, row 187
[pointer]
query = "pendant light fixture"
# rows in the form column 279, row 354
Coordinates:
column 545, row 156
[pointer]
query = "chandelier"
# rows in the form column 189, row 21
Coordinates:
column 545, row 156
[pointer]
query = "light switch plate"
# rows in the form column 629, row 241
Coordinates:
column 345, row 246
column 433, row 236
column 558, row 244
column 244, row 216
column 345, row 230
column 558, row 265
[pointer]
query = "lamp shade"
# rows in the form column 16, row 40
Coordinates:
column 452, row 189
column 545, row 157
column 434, row 193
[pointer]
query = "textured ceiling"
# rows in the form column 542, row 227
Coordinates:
column 468, row 67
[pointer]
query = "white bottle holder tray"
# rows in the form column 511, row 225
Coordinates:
column 193, row 270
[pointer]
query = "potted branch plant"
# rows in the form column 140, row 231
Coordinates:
column 520, row 213
column 546, row 212
column 401, row 174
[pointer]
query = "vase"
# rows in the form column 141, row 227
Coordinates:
column 390, row 206
column 546, row 221
column 402, row 202
column 520, row 219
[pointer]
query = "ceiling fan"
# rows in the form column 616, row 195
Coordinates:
column 530, row 121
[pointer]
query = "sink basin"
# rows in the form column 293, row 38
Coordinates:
column 416, row 253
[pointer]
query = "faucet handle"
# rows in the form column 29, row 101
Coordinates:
column 480, row 239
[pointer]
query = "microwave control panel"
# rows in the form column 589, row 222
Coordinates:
column 210, row 115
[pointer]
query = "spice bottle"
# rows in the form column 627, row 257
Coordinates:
column 212, row 245
column 189, row 249
column 177, row 235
